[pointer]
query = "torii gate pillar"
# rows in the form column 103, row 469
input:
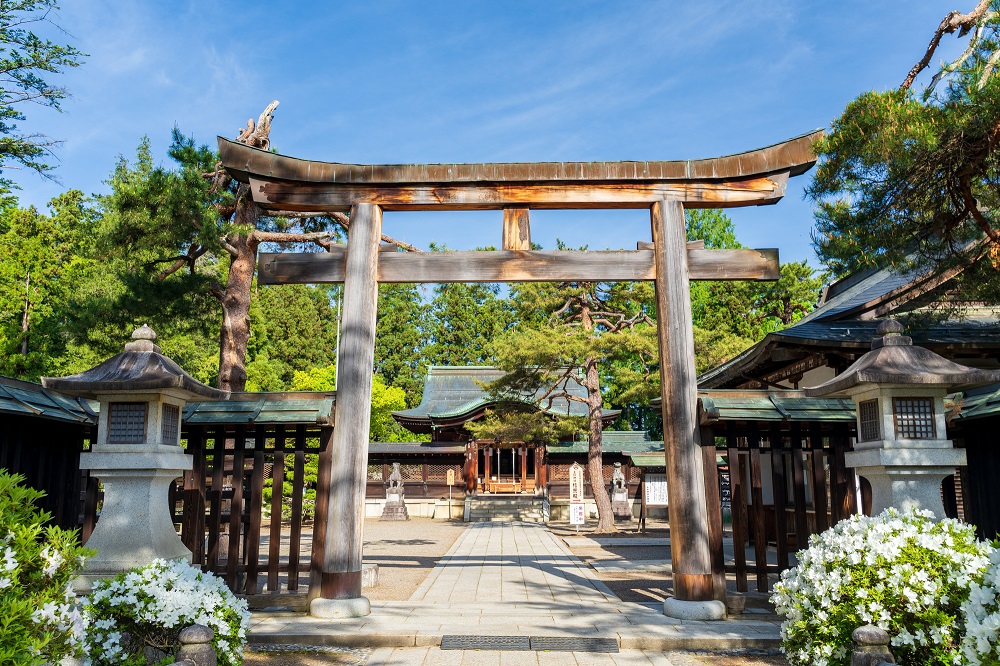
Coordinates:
column 694, row 593
column 340, row 594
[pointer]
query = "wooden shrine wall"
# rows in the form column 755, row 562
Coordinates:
column 47, row 453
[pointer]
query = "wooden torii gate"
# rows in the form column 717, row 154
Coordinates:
column 281, row 183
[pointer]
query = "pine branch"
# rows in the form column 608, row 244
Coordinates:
column 952, row 22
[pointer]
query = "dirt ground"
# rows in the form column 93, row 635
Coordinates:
column 405, row 553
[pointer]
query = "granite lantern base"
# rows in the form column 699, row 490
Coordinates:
column 906, row 478
column 135, row 526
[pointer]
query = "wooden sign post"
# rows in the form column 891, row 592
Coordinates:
column 577, row 506
column 280, row 183
column 654, row 495
column 451, row 482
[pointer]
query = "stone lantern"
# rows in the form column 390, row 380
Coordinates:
column 137, row 454
column 902, row 446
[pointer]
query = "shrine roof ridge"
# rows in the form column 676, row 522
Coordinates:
column 794, row 155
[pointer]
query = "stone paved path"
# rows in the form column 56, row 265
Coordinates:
column 511, row 579
column 511, row 562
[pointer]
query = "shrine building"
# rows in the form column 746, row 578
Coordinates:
column 488, row 469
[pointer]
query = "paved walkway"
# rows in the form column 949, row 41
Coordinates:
column 512, row 563
column 512, row 579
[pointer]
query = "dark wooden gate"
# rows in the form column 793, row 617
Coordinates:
column 788, row 480
column 225, row 518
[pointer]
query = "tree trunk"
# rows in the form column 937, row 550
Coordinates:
column 235, row 300
column 25, row 318
column 595, row 461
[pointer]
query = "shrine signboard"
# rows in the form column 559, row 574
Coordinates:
column 655, row 489
column 576, row 482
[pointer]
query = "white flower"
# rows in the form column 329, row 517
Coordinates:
column 171, row 595
column 53, row 560
column 9, row 562
column 871, row 570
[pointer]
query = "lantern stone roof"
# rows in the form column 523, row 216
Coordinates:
column 894, row 360
column 141, row 367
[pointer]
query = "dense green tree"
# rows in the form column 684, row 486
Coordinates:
column 44, row 260
column 730, row 316
column 293, row 328
column 400, row 338
column 909, row 177
column 25, row 58
column 464, row 318
column 385, row 401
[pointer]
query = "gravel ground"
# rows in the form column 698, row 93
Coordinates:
column 644, row 586
column 405, row 553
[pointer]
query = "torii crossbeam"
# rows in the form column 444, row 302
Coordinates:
column 280, row 183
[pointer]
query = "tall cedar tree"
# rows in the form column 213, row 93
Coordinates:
column 400, row 338
column 25, row 58
column 464, row 319
column 910, row 177
column 294, row 328
column 586, row 325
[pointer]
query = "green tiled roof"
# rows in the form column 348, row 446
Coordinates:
column 745, row 405
column 30, row 399
column 612, row 441
column 301, row 407
column 648, row 459
column 976, row 403
column 451, row 392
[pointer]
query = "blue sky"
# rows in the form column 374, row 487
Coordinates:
column 474, row 81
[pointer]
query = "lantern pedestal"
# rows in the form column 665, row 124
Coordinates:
column 135, row 528
column 907, row 478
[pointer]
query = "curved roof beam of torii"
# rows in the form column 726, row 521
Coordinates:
column 756, row 177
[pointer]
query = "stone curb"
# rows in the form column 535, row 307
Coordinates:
column 420, row 639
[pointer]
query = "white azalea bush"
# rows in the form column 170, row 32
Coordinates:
column 147, row 608
column 982, row 617
column 903, row 572
column 39, row 620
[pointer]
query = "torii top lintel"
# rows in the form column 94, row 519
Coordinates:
column 283, row 183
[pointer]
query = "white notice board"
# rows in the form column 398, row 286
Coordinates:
column 577, row 514
column 655, row 488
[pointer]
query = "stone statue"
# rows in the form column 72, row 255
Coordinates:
column 395, row 482
column 618, row 480
column 620, row 506
column 395, row 507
